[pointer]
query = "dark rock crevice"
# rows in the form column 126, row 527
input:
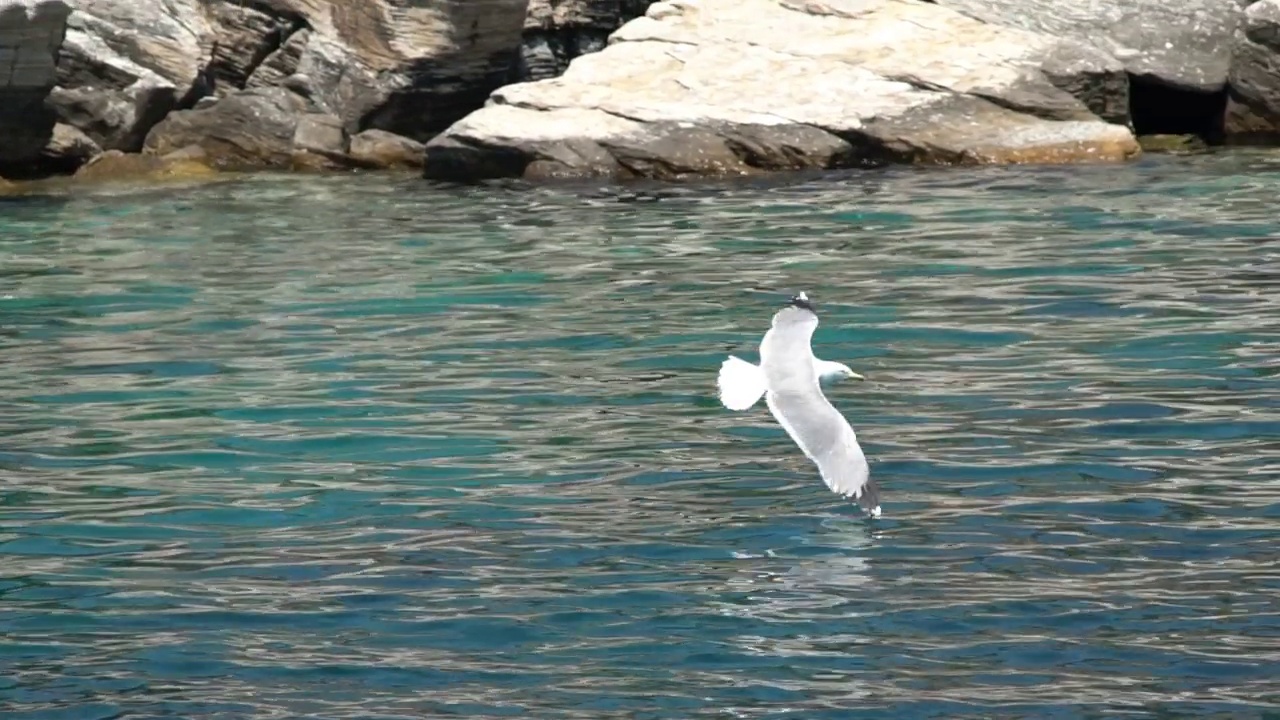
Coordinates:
column 436, row 98
column 273, row 41
column 557, row 31
column 204, row 85
column 456, row 159
column 1158, row 108
column 248, row 33
column 547, row 53
column 763, row 149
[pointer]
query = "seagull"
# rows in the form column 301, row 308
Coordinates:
column 788, row 377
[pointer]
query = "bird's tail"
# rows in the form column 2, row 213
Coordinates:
column 741, row 383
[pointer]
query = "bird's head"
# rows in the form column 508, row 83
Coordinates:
column 829, row 370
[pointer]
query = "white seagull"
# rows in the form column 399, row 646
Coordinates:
column 788, row 377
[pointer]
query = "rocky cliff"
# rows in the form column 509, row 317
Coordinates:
column 627, row 88
column 150, row 73
column 275, row 83
column 159, row 73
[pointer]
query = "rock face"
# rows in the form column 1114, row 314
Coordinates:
column 1253, row 106
column 30, row 33
column 557, row 31
column 411, row 68
column 1181, row 43
column 708, row 87
column 408, row 67
column 168, row 37
column 685, row 88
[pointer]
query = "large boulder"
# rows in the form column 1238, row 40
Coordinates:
column 169, row 37
column 31, row 31
column 380, row 149
column 104, row 93
column 68, row 150
column 734, row 86
column 255, row 128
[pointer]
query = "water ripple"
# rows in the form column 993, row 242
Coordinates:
column 288, row 447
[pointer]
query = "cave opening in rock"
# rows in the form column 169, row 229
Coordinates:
column 1161, row 109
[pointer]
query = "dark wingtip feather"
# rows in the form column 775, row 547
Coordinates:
column 869, row 498
column 802, row 301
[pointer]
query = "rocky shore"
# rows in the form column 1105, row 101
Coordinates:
column 266, row 84
column 621, row 88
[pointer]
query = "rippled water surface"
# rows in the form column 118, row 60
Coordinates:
column 365, row 447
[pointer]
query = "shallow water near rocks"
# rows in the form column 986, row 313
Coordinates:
column 365, row 447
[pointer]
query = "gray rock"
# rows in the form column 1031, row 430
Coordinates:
column 252, row 128
column 1181, row 43
column 300, row 84
column 246, row 37
column 381, row 149
column 31, row 31
column 739, row 86
column 280, row 63
column 68, row 149
column 1253, row 105
column 319, row 142
column 339, row 82
column 1090, row 76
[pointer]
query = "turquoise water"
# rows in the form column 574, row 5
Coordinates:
column 362, row 447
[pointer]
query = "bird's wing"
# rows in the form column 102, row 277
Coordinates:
column 826, row 438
